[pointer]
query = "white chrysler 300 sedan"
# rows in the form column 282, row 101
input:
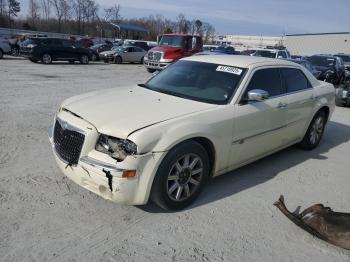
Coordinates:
column 201, row 117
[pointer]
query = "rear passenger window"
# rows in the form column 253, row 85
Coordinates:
column 268, row 80
column 294, row 79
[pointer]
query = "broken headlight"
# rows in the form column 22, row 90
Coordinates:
column 117, row 148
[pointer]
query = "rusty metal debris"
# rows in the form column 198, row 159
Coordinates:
column 322, row 222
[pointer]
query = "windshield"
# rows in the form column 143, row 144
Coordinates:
column 118, row 48
column 265, row 53
column 175, row 41
column 204, row 82
column 322, row 61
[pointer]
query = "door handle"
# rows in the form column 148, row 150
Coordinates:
column 282, row 105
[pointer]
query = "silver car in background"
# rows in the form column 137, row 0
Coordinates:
column 122, row 54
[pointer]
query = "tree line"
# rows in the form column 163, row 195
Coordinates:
column 86, row 17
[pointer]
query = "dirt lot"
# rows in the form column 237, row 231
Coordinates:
column 46, row 217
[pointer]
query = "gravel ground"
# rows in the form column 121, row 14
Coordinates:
column 46, row 217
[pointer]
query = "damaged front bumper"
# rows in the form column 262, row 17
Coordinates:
column 108, row 179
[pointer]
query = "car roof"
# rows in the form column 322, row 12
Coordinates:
column 239, row 60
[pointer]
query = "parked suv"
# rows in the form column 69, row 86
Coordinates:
column 4, row 47
column 47, row 50
column 332, row 68
column 273, row 53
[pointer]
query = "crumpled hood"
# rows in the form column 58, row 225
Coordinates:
column 118, row 112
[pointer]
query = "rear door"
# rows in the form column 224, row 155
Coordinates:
column 259, row 127
column 301, row 102
column 57, row 49
column 69, row 50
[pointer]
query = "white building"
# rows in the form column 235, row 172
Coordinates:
column 325, row 43
column 246, row 41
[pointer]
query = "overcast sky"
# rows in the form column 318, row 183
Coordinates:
column 248, row 17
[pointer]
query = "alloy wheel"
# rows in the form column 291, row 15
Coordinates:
column 316, row 130
column 184, row 177
column 47, row 59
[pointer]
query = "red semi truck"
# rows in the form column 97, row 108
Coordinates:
column 171, row 48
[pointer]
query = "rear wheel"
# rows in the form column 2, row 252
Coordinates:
column 141, row 62
column 46, row 59
column 84, row 59
column 315, row 131
column 118, row 60
column 149, row 70
column 1, row 54
column 181, row 176
column 338, row 94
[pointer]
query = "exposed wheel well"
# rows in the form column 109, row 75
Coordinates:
column 325, row 109
column 209, row 148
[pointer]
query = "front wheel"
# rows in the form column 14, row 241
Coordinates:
column 150, row 70
column 181, row 176
column 1, row 54
column 315, row 131
column 118, row 60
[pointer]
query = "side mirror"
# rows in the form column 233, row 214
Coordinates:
column 257, row 95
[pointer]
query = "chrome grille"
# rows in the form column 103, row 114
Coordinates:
column 68, row 142
column 150, row 55
column 154, row 56
column 157, row 56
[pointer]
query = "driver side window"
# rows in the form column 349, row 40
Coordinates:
column 268, row 79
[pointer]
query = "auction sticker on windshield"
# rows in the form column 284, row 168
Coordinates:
column 229, row 69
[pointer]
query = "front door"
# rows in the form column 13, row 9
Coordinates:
column 259, row 126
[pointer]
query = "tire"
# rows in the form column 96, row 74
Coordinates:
column 141, row 62
column 33, row 60
column 338, row 100
column 315, row 131
column 15, row 51
column 71, row 62
column 1, row 54
column 175, row 172
column 46, row 59
column 149, row 70
column 118, row 60
column 84, row 59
